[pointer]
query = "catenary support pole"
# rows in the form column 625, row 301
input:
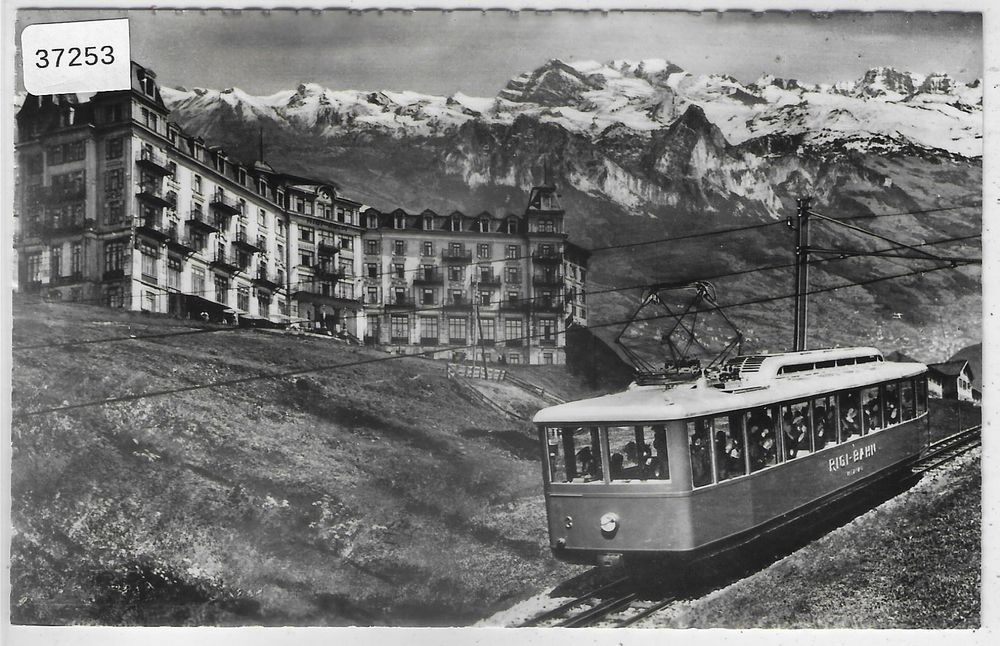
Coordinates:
column 801, row 271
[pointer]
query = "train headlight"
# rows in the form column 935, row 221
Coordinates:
column 609, row 524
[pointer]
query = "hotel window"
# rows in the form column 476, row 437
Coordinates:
column 399, row 328
column 306, row 234
column 150, row 256
column 243, row 298
column 429, row 297
column 261, row 219
column 457, row 329
column 75, row 259
column 427, row 249
column 512, row 275
column 513, row 358
column 263, row 303
column 483, row 251
column 173, row 273
column 548, row 330
column 399, row 295
column 485, row 297
column 306, row 259
column 114, row 255
column 513, row 252
column 513, row 297
column 456, row 273
column 221, row 289
column 428, row 328
column 198, row 281
column 372, row 296
column 398, row 270
column 55, row 261
column 114, row 148
column 196, row 184
column 347, row 243
column 488, row 330
column 371, row 270
column 34, row 267
column 371, row 246
column 547, row 358
column 513, row 329
column 399, row 247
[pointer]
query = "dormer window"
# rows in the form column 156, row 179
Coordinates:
column 372, row 221
column 428, row 223
column 399, row 222
column 456, row 224
column 511, row 225
column 484, row 225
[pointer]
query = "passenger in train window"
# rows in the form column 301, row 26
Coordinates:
column 586, row 462
column 850, row 423
column 728, row 452
column 699, row 443
column 872, row 410
column 796, row 427
column 821, row 434
column 890, row 404
column 617, row 466
column 906, row 396
column 760, row 441
column 660, row 467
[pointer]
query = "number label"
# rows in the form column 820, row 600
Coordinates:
column 86, row 56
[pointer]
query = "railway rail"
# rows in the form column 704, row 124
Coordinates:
column 610, row 603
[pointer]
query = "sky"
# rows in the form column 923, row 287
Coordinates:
column 477, row 53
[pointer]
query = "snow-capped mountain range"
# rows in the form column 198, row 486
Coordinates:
column 885, row 110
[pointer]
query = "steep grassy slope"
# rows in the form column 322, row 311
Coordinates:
column 367, row 494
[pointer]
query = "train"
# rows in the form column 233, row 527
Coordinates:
column 683, row 471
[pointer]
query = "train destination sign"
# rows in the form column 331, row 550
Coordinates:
column 848, row 458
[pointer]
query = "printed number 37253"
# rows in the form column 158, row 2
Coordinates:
column 73, row 55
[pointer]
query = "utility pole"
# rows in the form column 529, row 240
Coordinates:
column 801, row 225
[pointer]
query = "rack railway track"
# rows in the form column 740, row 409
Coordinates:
column 610, row 603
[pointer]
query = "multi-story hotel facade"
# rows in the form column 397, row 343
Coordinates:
column 117, row 205
column 497, row 289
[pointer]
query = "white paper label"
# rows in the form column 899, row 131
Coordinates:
column 66, row 57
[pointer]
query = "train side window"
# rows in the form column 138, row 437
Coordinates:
column 554, row 442
column 921, row 395
column 795, row 427
column 908, row 405
column 730, row 457
column 824, row 428
column 700, row 448
column 762, row 444
column 890, row 399
column 850, row 416
column 871, row 410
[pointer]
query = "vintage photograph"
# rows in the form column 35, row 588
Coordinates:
column 499, row 319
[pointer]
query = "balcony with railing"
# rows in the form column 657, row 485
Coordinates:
column 152, row 228
column 458, row 303
column 547, row 343
column 267, row 280
column 244, row 243
column 326, row 272
column 154, row 162
column 198, row 219
column 60, row 226
column 155, row 196
column 178, row 243
column 427, row 276
column 225, row 262
column 225, row 204
column 400, row 303
column 327, row 249
column 492, row 280
column 515, row 305
column 457, row 255
column 547, row 257
column 546, row 306
column 547, row 281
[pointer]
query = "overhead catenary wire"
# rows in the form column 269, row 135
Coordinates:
column 441, row 308
column 329, row 367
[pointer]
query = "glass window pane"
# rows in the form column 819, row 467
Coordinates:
column 795, row 426
column 574, row 454
column 761, row 442
column 730, row 458
column 906, row 397
column 824, row 422
column 629, row 453
column 871, row 410
column 850, row 416
column 699, row 444
column 921, row 395
column 891, row 399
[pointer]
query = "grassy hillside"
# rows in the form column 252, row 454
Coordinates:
column 367, row 494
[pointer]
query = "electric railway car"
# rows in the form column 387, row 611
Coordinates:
column 684, row 471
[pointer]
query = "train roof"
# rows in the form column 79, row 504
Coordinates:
column 762, row 379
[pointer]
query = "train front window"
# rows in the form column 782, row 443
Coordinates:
column 574, row 454
column 762, row 443
column 637, row 453
column 700, row 446
column 921, row 395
